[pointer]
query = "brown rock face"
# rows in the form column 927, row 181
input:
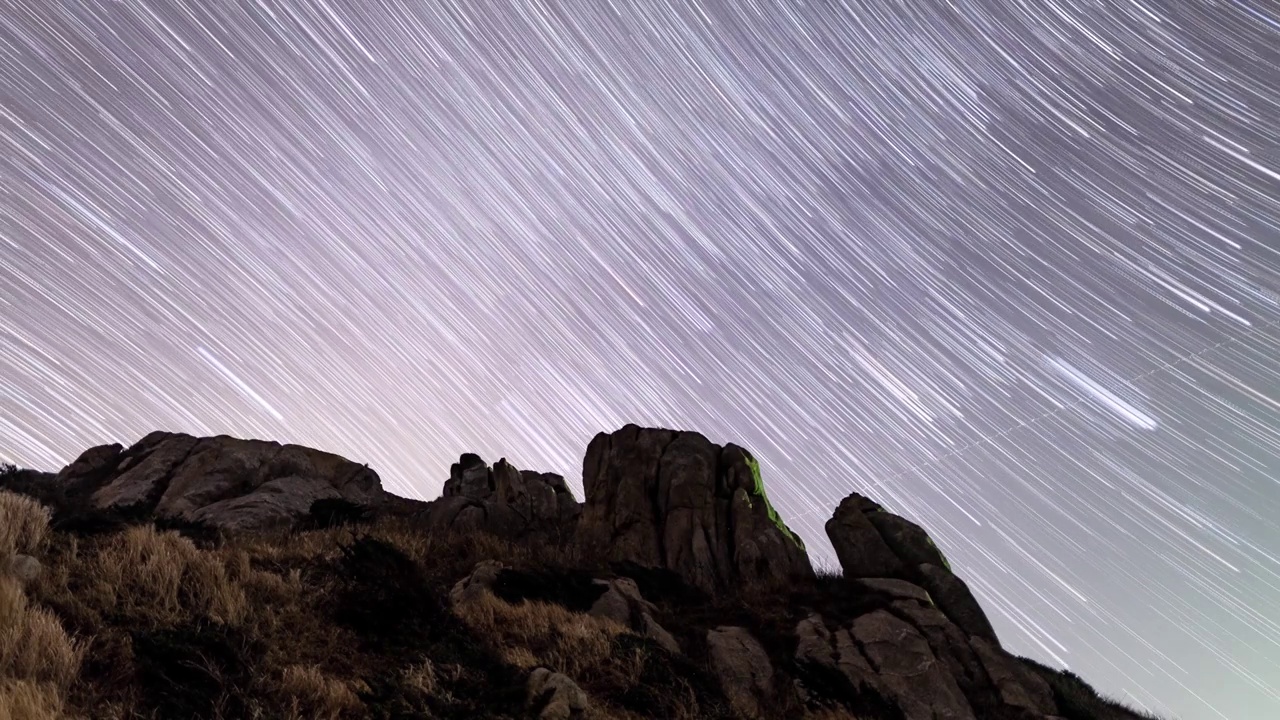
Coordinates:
column 503, row 501
column 743, row 669
column 873, row 543
column 221, row 481
column 675, row 500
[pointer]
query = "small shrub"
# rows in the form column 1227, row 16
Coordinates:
column 161, row 578
column 334, row 512
column 198, row 670
column 23, row 523
column 384, row 595
column 33, row 644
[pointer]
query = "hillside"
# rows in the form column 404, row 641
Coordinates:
column 187, row 577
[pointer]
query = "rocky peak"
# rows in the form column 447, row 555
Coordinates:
column 675, row 500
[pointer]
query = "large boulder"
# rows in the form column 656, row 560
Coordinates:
column 502, row 501
column 875, row 545
column 675, row 500
column 882, row 655
column 221, row 481
column 743, row 669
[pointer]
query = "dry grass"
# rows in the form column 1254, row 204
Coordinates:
column 23, row 524
column 310, row 693
column 533, row 634
column 162, row 578
column 38, row 659
column 26, row 700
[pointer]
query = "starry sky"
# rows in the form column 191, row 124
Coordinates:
column 1011, row 268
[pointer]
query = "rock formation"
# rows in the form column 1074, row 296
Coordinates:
column 503, row 501
column 689, row 535
column 676, row 500
column 220, row 481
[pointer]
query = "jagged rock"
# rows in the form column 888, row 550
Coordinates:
column 675, row 500
column 555, row 696
column 742, row 666
column 24, row 568
column 92, row 462
column 836, row 651
column 878, row 547
column 480, row 581
column 623, row 604
column 861, row 550
column 502, row 501
column 221, row 481
column 276, row 503
column 952, row 596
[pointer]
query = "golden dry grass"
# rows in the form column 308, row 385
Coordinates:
column 23, row 524
column 533, row 634
column 38, row 659
column 26, row 700
column 161, row 578
column 310, row 693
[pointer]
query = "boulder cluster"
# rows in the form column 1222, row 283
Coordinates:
column 666, row 500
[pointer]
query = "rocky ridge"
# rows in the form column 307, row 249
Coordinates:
column 677, row 544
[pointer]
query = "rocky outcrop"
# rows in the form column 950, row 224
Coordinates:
column 220, row 481
column 872, row 543
column 503, row 501
column 675, row 500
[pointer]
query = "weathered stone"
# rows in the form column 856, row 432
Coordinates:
column 952, row 596
column 225, row 482
column 906, row 539
column 908, row 670
column 742, row 666
column 861, row 550
column 896, row 588
column 24, row 568
column 477, row 583
column 275, row 504
column 503, row 501
column 1018, row 685
column 675, row 500
column 623, row 604
column 144, row 481
column 555, row 696
column 94, row 461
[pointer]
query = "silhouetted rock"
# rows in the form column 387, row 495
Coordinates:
column 662, row 498
column 502, row 501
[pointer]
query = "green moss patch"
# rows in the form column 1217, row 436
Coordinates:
column 773, row 514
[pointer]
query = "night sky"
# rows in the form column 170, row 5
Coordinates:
column 1011, row 268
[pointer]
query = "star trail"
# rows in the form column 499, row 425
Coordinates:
column 1011, row 268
